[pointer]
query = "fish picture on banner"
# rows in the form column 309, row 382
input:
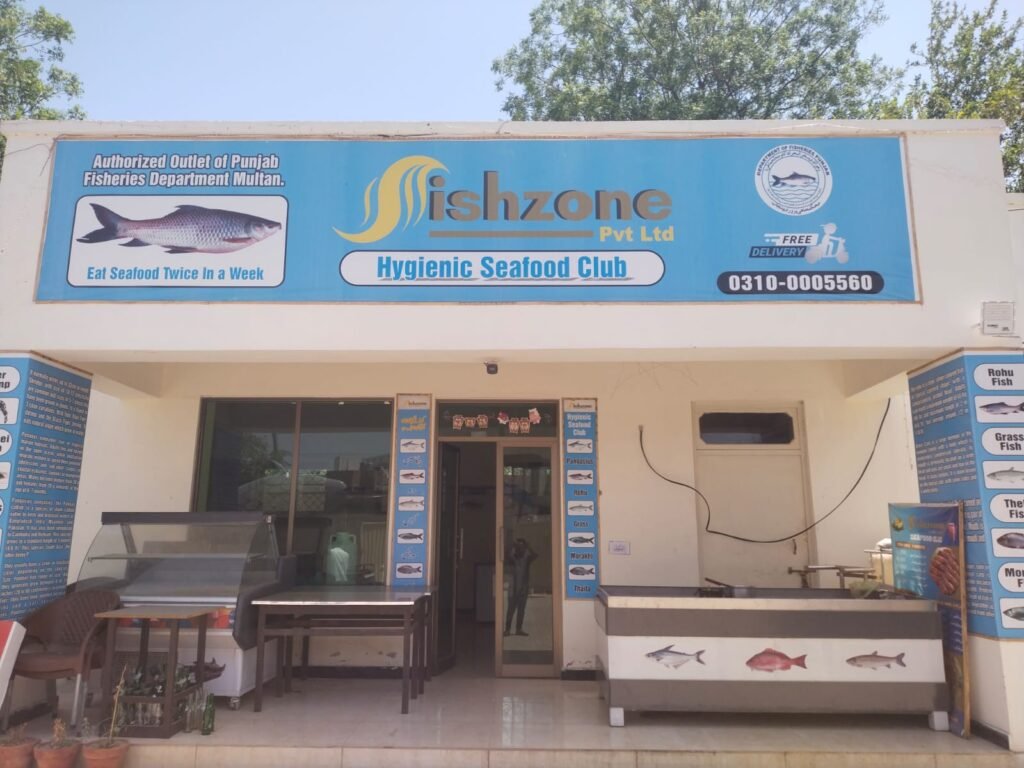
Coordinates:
column 179, row 240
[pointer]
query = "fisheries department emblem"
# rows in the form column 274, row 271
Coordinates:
column 793, row 179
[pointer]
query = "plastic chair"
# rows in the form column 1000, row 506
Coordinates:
column 65, row 639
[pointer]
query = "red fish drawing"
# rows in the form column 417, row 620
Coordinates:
column 770, row 660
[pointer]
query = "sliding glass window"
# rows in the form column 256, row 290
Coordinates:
column 335, row 510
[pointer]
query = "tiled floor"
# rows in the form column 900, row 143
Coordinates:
column 489, row 723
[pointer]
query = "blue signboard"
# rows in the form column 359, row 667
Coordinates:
column 968, row 417
column 927, row 559
column 499, row 220
column 43, row 411
column 582, row 543
column 411, row 491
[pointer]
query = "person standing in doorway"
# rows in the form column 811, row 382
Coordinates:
column 518, row 561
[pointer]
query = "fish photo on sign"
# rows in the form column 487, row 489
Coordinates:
column 178, row 241
column 1008, row 542
column 999, row 409
column 1012, row 611
column 771, row 660
column 1003, row 474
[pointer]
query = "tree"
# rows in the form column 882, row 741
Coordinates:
column 974, row 68
column 695, row 60
column 31, row 50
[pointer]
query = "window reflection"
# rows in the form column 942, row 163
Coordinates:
column 340, row 529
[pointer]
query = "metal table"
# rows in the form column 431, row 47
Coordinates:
column 174, row 615
column 333, row 611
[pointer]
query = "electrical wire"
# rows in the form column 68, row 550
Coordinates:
column 707, row 524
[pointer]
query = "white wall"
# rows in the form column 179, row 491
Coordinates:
column 139, row 453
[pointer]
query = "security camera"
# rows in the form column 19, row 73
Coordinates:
column 491, row 368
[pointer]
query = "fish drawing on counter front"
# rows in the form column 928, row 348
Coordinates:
column 874, row 660
column 1011, row 475
column 579, row 570
column 1012, row 540
column 187, row 229
column 770, row 660
column 581, row 539
column 1016, row 613
column 674, row 659
column 1002, row 409
column 409, row 569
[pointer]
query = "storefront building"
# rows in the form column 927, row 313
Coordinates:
column 461, row 354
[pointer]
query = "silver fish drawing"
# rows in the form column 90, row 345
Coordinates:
column 410, row 569
column 1011, row 475
column 1013, row 540
column 874, row 660
column 579, row 443
column 793, row 180
column 415, row 501
column 581, row 507
column 411, row 536
column 579, row 570
column 187, row 229
column 674, row 659
column 407, row 476
column 412, row 443
column 590, row 475
column 581, row 539
column 1002, row 409
column 1016, row 613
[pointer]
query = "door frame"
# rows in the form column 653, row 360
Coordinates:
column 799, row 447
column 557, row 553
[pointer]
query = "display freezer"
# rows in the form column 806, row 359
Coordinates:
column 222, row 560
column 773, row 650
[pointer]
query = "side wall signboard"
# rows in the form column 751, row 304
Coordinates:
column 928, row 560
column 580, row 480
column 411, row 491
column 496, row 220
column 968, row 414
column 43, row 410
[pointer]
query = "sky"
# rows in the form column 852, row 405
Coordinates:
column 332, row 60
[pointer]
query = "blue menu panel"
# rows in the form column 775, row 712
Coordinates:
column 411, row 496
column 582, row 545
column 43, row 410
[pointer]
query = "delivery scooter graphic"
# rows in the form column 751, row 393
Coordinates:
column 829, row 247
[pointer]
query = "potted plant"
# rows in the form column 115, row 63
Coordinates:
column 61, row 751
column 108, row 751
column 16, row 748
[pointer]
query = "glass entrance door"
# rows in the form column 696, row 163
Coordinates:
column 527, row 599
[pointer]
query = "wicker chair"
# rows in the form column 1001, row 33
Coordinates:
column 65, row 639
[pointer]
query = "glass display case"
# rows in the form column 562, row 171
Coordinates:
column 222, row 560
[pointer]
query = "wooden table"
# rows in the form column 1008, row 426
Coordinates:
column 174, row 615
column 361, row 611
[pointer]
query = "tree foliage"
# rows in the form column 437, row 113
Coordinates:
column 972, row 66
column 31, row 78
column 695, row 59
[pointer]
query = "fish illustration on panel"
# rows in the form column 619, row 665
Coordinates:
column 1002, row 409
column 578, row 478
column 580, row 446
column 874, row 660
column 412, row 445
column 672, row 658
column 407, row 570
column 582, row 541
column 411, row 476
column 1016, row 613
column 581, row 508
column 411, row 503
column 770, row 660
column 1011, row 475
column 794, row 179
column 1011, row 540
column 410, row 535
column 582, row 571
column 187, row 229
column 3, row 410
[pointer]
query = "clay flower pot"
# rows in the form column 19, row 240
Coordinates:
column 17, row 755
column 56, row 757
column 105, row 754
